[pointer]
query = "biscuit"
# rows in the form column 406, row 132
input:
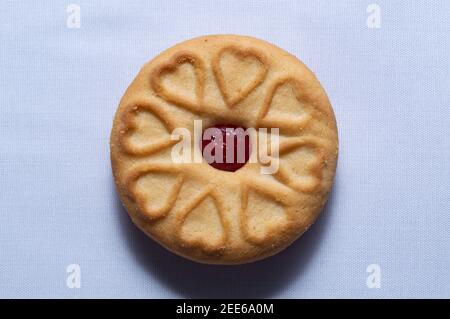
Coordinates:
column 207, row 214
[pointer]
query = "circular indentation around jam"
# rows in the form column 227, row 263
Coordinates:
column 232, row 144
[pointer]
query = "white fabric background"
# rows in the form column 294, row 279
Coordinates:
column 389, row 88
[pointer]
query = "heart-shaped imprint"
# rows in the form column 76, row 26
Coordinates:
column 201, row 223
column 238, row 73
column 154, row 189
column 181, row 81
column 301, row 164
column 263, row 216
column 146, row 130
column 285, row 106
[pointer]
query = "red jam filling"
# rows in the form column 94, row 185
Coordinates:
column 231, row 143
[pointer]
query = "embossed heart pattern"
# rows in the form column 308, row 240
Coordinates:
column 218, row 216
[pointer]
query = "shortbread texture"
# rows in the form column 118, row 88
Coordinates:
column 193, row 209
